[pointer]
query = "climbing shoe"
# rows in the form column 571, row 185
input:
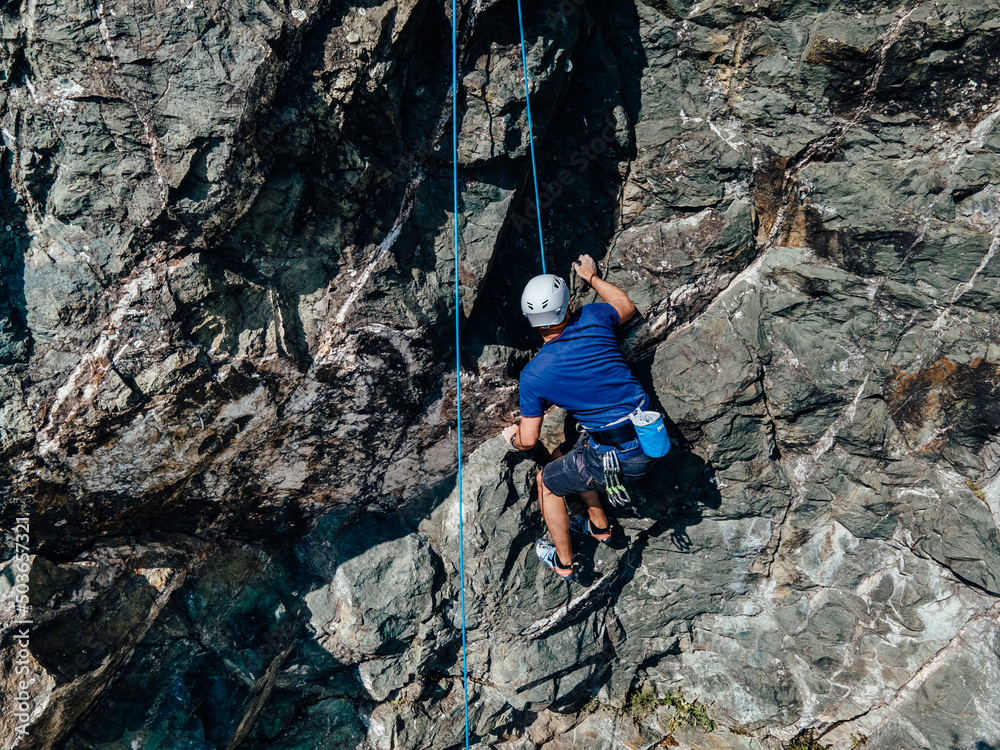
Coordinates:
column 546, row 552
column 581, row 525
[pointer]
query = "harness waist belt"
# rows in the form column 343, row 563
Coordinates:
column 623, row 432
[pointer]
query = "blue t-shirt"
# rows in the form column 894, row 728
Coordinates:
column 583, row 371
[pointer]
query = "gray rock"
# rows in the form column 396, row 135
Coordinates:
column 227, row 371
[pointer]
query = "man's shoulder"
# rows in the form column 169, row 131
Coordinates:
column 601, row 312
column 531, row 370
column 539, row 370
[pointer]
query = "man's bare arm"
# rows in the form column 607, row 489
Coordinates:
column 524, row 435
column 586, row 269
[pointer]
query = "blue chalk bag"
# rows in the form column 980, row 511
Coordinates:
column 652, row 433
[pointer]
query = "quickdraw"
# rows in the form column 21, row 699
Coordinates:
column 617, row 494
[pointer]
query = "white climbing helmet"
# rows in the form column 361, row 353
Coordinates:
column 545, row 300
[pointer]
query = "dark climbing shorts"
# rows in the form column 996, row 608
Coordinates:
column 583, row 469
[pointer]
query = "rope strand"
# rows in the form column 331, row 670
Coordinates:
column 458, row 308
column 531, row 137
column 458, row 362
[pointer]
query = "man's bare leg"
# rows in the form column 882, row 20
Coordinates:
column 556, row 520
column 594, row 509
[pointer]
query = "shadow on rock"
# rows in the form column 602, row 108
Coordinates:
column 15, row 339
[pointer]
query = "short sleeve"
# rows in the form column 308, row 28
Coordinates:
column 532, row 403
column 604, row 312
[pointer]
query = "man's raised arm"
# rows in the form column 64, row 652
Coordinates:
column 586, row 269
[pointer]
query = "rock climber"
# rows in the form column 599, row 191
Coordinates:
column 580, row 368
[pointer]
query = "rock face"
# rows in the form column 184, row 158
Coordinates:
column 227, row 395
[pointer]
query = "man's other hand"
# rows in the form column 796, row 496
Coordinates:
column 509, row 433
column 585, row 268
column 524, row 435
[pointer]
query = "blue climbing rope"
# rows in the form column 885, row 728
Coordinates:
column 531, row 137
column 458, row 361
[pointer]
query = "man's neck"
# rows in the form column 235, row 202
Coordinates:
column 550, row 333
column 555, row 331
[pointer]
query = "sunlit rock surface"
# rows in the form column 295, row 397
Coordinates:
column 227, row 390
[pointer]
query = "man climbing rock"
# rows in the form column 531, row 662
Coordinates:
column 580, row 368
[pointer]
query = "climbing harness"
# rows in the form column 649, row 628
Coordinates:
column 642, row 427
column 458, row 361
column 617, row 494
column 610, row 438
